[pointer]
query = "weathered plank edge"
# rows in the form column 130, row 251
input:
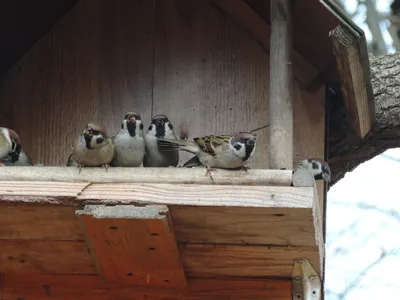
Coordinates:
column 148, row 175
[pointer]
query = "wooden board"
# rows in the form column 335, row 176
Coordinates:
column 132, row 244
column 192, row 224
column 56, row 257
column 92, row 288
column 93, row 65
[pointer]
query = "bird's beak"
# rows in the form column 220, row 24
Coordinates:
column 326, row 177
column 131, row 119
column 88, row 133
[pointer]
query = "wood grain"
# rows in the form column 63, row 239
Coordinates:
column 134, row 244
column 210, row 76
column 198, row 195
column 359, row 101
column 55, row 257
column 95, row 64
column 92, row 288
column 245, row 261
column 257, row 27
column 280, row 142
column 146, row 175
column 192, row 224
column 219, row 225
column 39, row 222
column 38, row 257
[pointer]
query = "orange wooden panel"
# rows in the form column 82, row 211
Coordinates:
column 92, row 287
column 140, row 251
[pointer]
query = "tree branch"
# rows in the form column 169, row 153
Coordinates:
column 346, row 149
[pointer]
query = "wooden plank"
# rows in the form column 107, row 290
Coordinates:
column 92, row 288
column 354, row 80
column 254, row 24
column 146, row 175
column 95, row 64
column 280, row 98
column 189, row 194
column 192, row 224
column 39, row 192
column 36, row 257
column 198, row 195
column 39, row 222
column 243, row 226
column 245, row 261
column 210, row 75
column 134, row 244
column 221, row 260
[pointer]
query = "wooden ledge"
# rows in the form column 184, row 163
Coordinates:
column 148, row 175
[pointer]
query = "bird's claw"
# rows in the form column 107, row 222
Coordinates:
column 80, row 166
column 106, row 166
column 209, row 172
column 245, row 168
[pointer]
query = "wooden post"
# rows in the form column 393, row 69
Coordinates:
column 280, row 92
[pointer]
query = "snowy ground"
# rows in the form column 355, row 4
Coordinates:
column 363, row 232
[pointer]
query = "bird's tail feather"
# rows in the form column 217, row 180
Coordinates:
column 176, row 145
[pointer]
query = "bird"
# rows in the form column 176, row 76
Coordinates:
column 216, row 151
column 129, row 142
column 11, row 152
column 318, row 167
column 92, row 148
column 160, row 127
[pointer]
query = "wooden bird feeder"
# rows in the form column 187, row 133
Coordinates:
column 213, row 67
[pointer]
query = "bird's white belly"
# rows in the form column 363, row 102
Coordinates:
column 94, row 157
column 129, row 150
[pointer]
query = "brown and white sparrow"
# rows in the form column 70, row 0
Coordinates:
column 129, row 142
column 160, row 127
column 318, row 167
column 222, row 151
column 11, row 152
column 93, row 148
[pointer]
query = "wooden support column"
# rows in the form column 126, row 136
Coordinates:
column 280, row 97
column 134, row 245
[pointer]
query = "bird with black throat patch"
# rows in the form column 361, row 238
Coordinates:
column 129, row 142
column 160, row 127
column 318, row 167
column 11, row 152
column 92, row 148
column 216, row 151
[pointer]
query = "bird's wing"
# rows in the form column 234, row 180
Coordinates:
column 212, row 144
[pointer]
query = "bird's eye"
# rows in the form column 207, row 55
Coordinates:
column 126, row 116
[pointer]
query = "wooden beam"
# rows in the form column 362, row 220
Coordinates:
column 147, row 175
column 119, row 262
column 192, row 224
column 133, row 244
column 251, row 21
column 167, row 194
column 66, row 287
column 354, row 80
column 280, row 95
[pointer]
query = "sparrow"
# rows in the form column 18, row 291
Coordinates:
column 92, row 148
column 160, row 127
column 129, row 142
column 318, row 167
column 11, row 152
column 222, row 151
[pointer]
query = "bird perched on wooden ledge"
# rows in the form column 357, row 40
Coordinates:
column 11, row 152
column 129, row 142
column 318, row 167
column 160, row 127
column 92, row 148
column 222, row 151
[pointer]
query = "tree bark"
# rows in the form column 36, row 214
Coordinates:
column 346, row 150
